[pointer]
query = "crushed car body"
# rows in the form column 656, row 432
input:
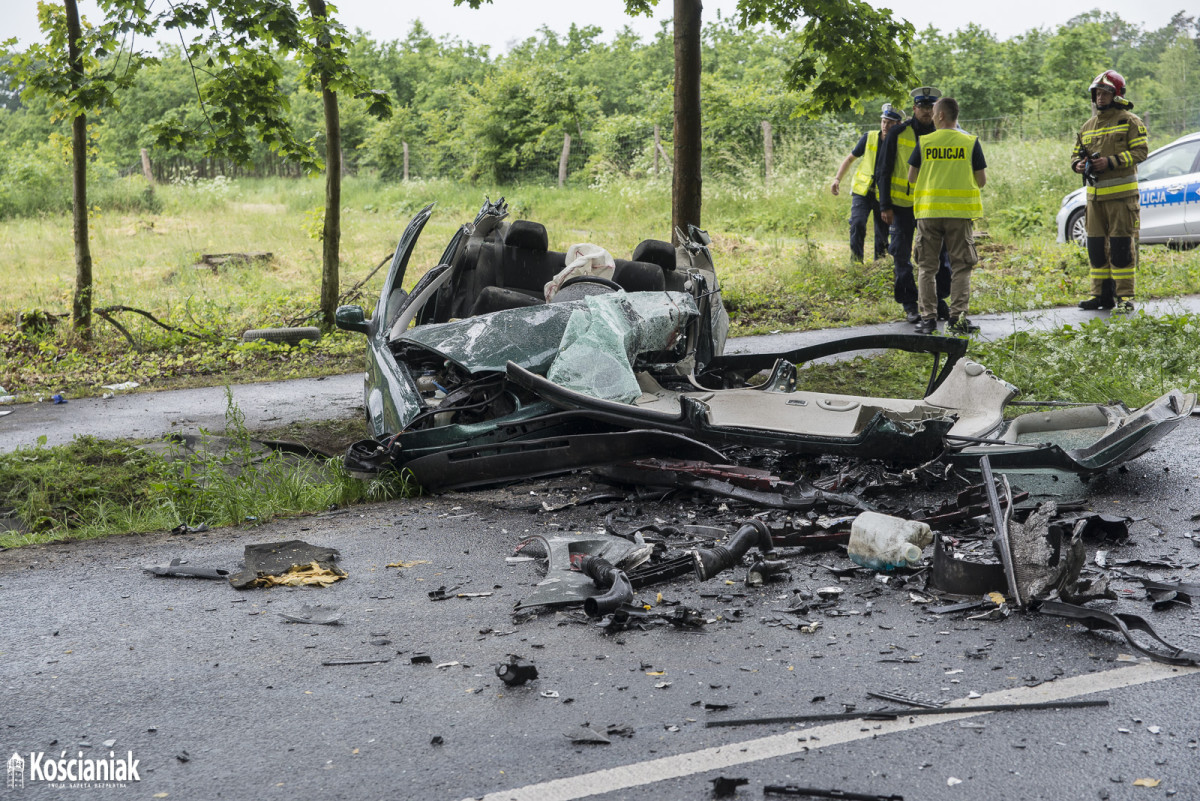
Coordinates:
column 508, row 360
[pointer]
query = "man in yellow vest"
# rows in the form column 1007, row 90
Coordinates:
column 947, row 171
column 1110, row 146
column 895, row 203
column 863, row 198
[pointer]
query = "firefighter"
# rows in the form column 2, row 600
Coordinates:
column 864, row 201
column 1108, row 149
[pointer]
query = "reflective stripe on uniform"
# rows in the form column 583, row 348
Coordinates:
column 1099, row 191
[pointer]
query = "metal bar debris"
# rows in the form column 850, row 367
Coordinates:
column 889, row 714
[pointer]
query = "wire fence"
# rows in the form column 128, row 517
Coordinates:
column 764, row 152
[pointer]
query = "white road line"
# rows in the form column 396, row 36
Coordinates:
column 779, row 745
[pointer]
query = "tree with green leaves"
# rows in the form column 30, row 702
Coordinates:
column 79, row 69
column 848, row 51
column 238, row 46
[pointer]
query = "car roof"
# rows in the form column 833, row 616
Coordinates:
column 1186, row 138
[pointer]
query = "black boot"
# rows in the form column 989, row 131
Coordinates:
column 1096, row 303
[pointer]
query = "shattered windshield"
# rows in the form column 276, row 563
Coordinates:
column 602, row 341
column 587, row 345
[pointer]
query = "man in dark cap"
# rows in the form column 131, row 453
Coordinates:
column 896, row 205
column 864, row 200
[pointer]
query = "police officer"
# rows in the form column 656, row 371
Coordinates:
column 896, row 200
column 1109, row 147
column 946, row 170
column 863, row 199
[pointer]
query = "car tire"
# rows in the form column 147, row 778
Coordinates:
column 1077, row 227
column 283, row 336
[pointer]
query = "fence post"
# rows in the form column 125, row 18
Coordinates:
column 657, row 147
column 768, row 153
column 562, row 161
column 405, row 162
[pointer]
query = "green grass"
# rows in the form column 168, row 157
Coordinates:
column 1133, row 359
column 780, row 250
column 94, row 488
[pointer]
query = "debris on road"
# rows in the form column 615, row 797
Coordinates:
column 516, row 671
column 315, row 614
column 812, row 792
column 723, row 787
column 586, row 735
column 892, row 714
column 293, row 563
column 180, row 567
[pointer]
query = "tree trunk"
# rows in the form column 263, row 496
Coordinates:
column 405, row 162
column 147, row 170
column 81, row 305
column 768, row 153
column 657, row 147
column 685, row 184
column 332, row 232
column 562, row 160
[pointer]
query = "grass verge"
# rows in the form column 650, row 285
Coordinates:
column 94, row 488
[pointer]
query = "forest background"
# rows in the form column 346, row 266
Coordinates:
column 474, row 124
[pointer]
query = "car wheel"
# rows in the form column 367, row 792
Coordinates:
column 284, row 336
column 1077, row 227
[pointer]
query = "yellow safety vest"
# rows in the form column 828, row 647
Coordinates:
column 906, row 143
column 865, row 175
column 946, row 183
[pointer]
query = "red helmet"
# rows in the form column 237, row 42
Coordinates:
column 1109, row 79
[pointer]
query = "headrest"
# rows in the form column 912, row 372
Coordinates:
column 527, row 236
column 657, row 252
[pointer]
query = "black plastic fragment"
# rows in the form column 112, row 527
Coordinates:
column 516, row 671
column 606, row 577
column 1124, row 624
column 711, row 561
column 724, row 787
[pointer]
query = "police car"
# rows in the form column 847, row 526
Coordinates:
column 1169, row 190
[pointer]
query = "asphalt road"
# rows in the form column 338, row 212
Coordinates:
column 216, row 696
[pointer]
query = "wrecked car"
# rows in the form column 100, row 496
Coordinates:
column 509, row 360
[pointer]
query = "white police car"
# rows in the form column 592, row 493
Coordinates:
column 1169, row 189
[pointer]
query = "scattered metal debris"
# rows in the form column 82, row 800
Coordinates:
column 812, row 792
column 892, row 714
column 586, row 735
column 180, row 567
column 316, row 614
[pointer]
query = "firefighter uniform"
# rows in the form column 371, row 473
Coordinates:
column 946, row 200
column 1113, row 214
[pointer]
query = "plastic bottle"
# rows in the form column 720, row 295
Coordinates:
column 882, row 542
